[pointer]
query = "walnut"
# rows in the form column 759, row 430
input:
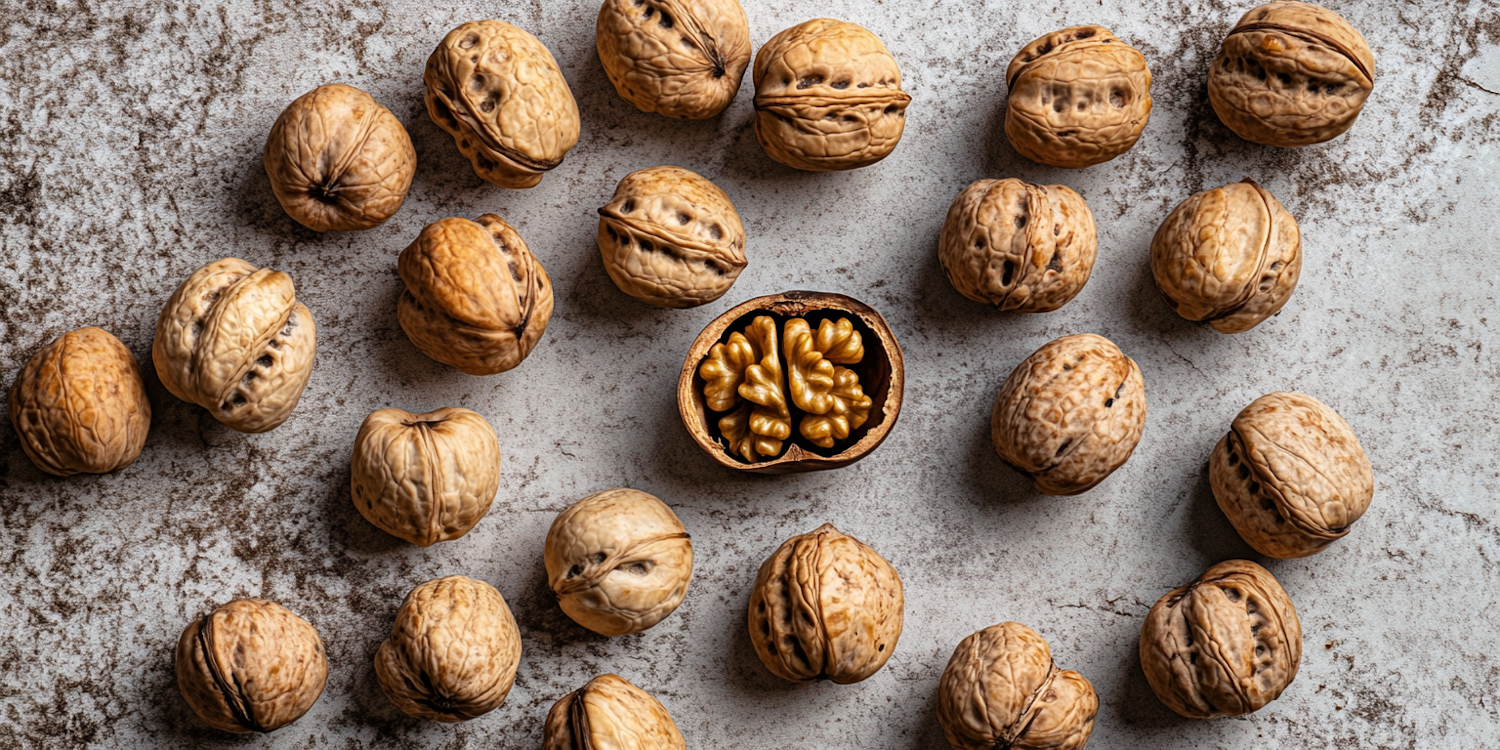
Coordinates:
column 1070, row 414
column 453, row 652
column 1022, row 247
column 1290, row 475
column 680, row 58
column 825, row 606
column 1230, row 256
column 250, row 666
column 609, row 713
column 476, row 298
column 828, row 97
column 338, row 160
column 671, row 238
column 425, row 477
column 1002, row 690
column 79, row 405
column 1078, row 97
column 234, row 340
column 750, row 366
column 1223, row 645
column 619, row 561
column 831, row 396
column 498, row 91
column 1291, row 74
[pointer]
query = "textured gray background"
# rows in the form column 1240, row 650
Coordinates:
column 130, row 139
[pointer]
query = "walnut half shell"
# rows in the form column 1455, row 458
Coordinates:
column 250, row 666
column 609, row 713
column 1002, row 690
column 679, row 58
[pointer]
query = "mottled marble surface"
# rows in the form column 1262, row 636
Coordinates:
column 130, row 137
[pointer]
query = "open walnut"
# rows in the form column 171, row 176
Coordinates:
column 679, row 58
column 250, row 666
column 1001, row 689
column 609, row 713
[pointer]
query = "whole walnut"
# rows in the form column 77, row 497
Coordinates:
column 234, row 340
column 1230, row 256
column 1291, row 74
column 825, row 606
column 1017, row 246
column 671, row 238
column 79, row 405
column 609, row 713
column 1290, row 475
column 498, row 91
column 425, row 477
column 1078, row 97
column 1223, row 645
column 679, row 58
column 453, row 652
column 476, row 298
column 1002, row 690
column 250, row 666
column 338, row 160
column 828, row 97
column 1070, row 414
column 619, row 561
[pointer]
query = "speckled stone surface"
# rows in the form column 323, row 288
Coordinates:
column 130, row 138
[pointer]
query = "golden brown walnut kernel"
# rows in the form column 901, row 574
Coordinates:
column 1291, row 74
column 748, row 367
column 1002, row 690
column 497, row 90
column 1223, row 645
column 338, row 160
column 1017, row 246
column 476, row 298
column 831, row 396
column 79, row 405
column 679, row 58
column 1078, row 97
column 250, row 666
column 234, row 340
column 609, row 713
column 1290, row 475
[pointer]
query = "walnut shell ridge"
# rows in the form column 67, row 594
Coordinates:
column 679, row 58
column 609, row 713
column 1001, row 689
column 250, row 666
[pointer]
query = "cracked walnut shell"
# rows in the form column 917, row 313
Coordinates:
column 619, row 561
column 1078, row 97
column 825, row 606
column 1017, row 246
column 453, row 652
column 671, row 238
column 234, row 340
column 250, row 666
column 1070, row 414
column 1291, row 74
column 338, row 160
column 425, row 478
column 679, row 58
column 828, row 97
column 609, row 713
column 497, row 90
column 79, row 405
column 1290, row 475
column 1223, row 645
column 1001, row 689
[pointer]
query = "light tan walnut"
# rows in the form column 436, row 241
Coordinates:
column 250, row 666
column 830, row 395
column 1002, row 690
column 609, row 713
column 679, row 58
column 234, row 340
column 750, row 363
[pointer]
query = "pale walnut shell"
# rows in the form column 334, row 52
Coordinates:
column 338, row 160
column 79, row 405
column 1291, row 74
column 825, row 606
column 425, row 478
column 671, row 238
column 828, row 97
column 609, row 713
column 1017, row 246
column 453, row 652
column 1078, row 97
column 1001, row 689
column 1291, row 475
column 1070, row 414
column 476, row 298
column 619, row 561
column 250, row 666
column 1230, row 257
column 679, row 58
column 497, row 90
column 1224, row 645
column 234, row 340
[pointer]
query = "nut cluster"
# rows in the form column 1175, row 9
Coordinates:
column 1001, row 689
column 250, row 666
column 678, row 58
column 609, row 713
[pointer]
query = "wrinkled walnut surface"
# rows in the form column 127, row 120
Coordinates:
column 831, row 396
column 679, row 58
column 609, row 713
column 748, row 367
column 1001, row 689
column 250, row 666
